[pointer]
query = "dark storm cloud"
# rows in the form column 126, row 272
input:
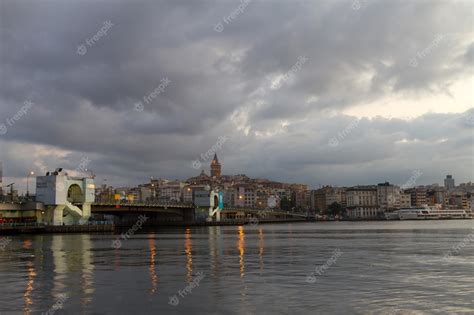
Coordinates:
column 230, row 83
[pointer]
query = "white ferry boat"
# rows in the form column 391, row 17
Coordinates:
column 431, row 214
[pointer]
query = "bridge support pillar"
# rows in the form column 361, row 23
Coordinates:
column 86, row 213
column 53, row 215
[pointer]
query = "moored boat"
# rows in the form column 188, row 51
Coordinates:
column 428, row 214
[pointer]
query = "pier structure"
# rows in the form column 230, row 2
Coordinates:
column 67, row 200
column 216, row 205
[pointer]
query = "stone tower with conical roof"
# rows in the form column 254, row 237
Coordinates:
column 215, row 167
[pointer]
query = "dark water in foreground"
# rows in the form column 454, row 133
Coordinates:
column 378, row 268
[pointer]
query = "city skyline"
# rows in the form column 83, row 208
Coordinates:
column 213, row 173
column 295, row 102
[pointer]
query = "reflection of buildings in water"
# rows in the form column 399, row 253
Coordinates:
column 87, row 270
column 59, row 263
column 291, row 242
column 117, row 259
column 241, row 248
column 29, row 288
column 214, row 233
column 153, row 275
column 244, row 303
column 188, row 247
column 261, row 246
column 72, row 255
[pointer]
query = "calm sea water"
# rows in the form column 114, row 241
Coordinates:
column 305, row 268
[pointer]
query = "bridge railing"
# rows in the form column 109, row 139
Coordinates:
column 267, row 210
column 142, row 204
column 21, row 224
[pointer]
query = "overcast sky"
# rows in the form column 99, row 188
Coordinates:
column 318, row 92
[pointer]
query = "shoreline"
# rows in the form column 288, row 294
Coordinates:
column 112, row 228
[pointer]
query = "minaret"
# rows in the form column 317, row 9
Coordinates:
column 215, row 167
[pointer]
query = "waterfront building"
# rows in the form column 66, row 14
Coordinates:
column 202, row 198
column 435, row 195
column 321, row 198
column 145, row 193
column 418, row 196
column 201, row 179
column 362, row 202
column 228, row 195
column 458, row 199
column 245, row 196
column 449, row 182
column 302, row 199
column 1, row 181
column 466, row 187
column 104, row 194
column 318, row 199
column 215, row 167
column 187, row 194
column 124, row 194
column 388, row 196
column 405, row 200
column 170, row 191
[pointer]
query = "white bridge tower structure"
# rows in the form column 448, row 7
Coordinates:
column 67, row 199
column 216, row 204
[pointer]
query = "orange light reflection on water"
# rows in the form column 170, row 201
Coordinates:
column 261, row 246
column 241, row 248
column 29, row 288
column 153, row 275
column 188, row 247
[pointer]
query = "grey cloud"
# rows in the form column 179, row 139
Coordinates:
column 84, row 104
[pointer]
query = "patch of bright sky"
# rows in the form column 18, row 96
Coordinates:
column 460, row 99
